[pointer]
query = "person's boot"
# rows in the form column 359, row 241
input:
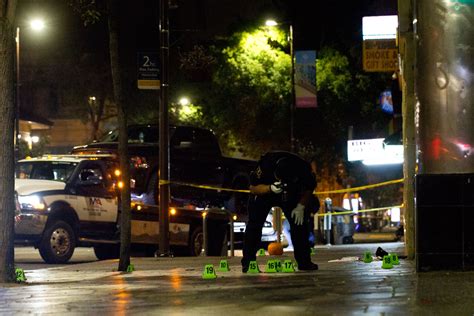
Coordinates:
column 308, row 266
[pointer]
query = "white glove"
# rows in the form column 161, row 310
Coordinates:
column 298, row 214
column 276, row 187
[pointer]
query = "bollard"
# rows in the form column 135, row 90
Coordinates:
column 328, row 220
column 232, row 235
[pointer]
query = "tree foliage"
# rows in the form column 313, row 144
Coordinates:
column 252, row 90
column 248, row 100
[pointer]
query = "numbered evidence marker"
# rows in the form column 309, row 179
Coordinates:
column 209, row 272
column 271, row 266
column 261, row 252
column 312, row 251
column 130, row 268
column 253, row 267
column 288, row 266
column 224, row 266
column 387, row 262
column 394, row 258
column 368, row 257
column 278, row 265
column 20, row 275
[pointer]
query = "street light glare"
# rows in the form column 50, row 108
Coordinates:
column 184, row 101
column 271, row 23
column 37, row 24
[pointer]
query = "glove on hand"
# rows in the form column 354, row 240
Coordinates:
column 298, row 214
column 276, row 187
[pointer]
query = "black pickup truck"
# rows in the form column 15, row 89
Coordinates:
column 195, row 157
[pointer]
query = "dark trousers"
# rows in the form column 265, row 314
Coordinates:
column 258, row 210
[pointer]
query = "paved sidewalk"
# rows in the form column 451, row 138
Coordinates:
column 175, row 285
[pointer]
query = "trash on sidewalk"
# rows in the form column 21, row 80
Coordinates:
column 345, row 259
column 380, row 253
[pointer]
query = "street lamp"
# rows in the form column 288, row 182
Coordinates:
column 184, row 101
column 272, row 23
column 36, row 25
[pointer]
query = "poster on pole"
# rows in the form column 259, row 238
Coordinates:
column 305, row 79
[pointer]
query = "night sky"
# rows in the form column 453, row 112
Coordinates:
column 334, row 23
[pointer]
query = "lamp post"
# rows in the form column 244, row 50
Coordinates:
column 164, row 194
column 272, row 23
column 36, row 25
column 17, row 105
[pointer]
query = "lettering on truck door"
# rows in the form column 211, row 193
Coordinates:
column 96, row 199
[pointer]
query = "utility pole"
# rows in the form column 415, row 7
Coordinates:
column 293, row 92
column 407, row 56
column 164, row 194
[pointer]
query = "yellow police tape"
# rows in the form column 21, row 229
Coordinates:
column 361, row 211
column 207, row 187
column 365, row 187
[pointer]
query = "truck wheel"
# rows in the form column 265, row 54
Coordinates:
column 196, row 242
column 107, row 251
column 57, row 243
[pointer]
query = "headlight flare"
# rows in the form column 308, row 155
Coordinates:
column 31, row 202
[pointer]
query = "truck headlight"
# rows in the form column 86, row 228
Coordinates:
column 31, row 202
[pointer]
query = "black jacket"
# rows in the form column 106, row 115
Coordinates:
column 298, row 176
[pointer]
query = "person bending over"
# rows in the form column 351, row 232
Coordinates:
column 285, row 180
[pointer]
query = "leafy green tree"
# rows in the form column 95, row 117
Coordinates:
column 247, row 103
column 252, row 90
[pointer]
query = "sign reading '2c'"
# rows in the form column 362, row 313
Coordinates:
column 148, row 71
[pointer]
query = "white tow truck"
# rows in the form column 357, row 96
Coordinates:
column 66, row 201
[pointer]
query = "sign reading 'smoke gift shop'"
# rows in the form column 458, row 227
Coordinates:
column 380, row 55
